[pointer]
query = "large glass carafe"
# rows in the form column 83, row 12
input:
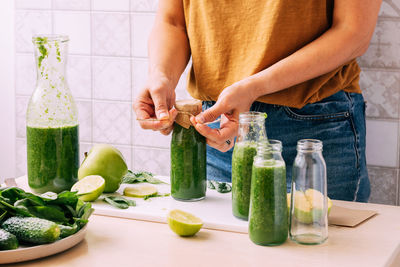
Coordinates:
column 52, row 120
column 251, row 131
column 268, row 219
column 309, row 202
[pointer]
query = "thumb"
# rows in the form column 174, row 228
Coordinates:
column 210, row 114
column 160, row 106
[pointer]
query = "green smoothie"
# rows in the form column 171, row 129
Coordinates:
column 53, row 158
column 268, row 223
column 188, row 164
column 242, row 163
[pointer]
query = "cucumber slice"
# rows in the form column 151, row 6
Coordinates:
column 142, row 190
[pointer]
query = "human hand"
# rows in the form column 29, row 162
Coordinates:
column 232, row 101
column 156, row 101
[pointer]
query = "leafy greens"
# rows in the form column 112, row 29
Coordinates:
column 140, row 177
column 119, row 202
column 221, row 187
column 64, row 208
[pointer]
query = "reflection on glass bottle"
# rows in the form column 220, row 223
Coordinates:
column 251, row 131
column 309, row 205
column 52, row 120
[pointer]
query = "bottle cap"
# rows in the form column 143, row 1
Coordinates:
column 187, row 108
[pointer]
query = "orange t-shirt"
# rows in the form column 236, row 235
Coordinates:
column 233, row 39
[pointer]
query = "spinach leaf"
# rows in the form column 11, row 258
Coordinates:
column 158, row 195
column 210, row 184
column 221, row 187
column 119, row 202
column 224, row 188
column 140, row 177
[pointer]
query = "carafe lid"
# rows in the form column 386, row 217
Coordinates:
column 187, row 108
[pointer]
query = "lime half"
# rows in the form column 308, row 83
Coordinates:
column 141, row 190
column 184, row 223
column 89, row 188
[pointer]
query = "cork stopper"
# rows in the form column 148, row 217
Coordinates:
column 185, row 109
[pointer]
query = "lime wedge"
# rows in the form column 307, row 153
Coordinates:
column 184, row 223
column 141, row 190
column 89, row 188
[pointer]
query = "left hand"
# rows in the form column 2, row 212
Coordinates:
column 232, row 101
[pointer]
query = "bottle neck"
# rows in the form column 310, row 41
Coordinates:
column 269, row 148
column 51, row 57
column 309, row 146
column 252, row 127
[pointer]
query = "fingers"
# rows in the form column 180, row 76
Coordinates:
column 160, row 104
column 159, row 125
column 211, row 114
column 152, row 109
column 218, row 138
column 223, row 147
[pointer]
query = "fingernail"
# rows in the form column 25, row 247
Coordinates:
column 163, row 116
column 199, row 119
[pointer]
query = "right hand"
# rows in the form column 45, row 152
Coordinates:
column 156, row 101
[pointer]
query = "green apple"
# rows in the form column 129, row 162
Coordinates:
column 308, row 205
column 106, row 161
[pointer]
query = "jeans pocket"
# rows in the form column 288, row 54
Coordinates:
column 299, row 114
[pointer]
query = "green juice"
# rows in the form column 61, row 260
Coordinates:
column 268, row 223
column 242, row 162
column 53, row 158
column 188, row 164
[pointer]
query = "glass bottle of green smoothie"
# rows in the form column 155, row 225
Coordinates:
column 251, row 131
column 52, row 120
column 268, row 218
column 188, row 155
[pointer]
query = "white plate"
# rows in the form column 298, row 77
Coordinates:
column 40, row 251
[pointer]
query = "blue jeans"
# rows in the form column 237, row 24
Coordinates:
column 338, row 121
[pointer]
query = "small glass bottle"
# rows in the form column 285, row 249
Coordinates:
column 268, row 218
column 188, row 155
column 52, row 120
column 308, row 204
column 251, row 131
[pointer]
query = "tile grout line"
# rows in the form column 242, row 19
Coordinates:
column 91, row 72
column 133, row 157
column 15, row 90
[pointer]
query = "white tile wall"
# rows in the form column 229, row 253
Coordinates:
column 112, row 122
column 144, row 5
column 139, row 75
column 25, row 74
column 28, row 23
column 152, row 159
column 72, row 4
column 110, row 34
column 85, row 120
column 77, row 26
column 112, row 78
column 21, row 105
column 21, row 156
column 79, row 76
column 382, row 143
column 141, row 27
column 34, row 4
column 114, row 5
